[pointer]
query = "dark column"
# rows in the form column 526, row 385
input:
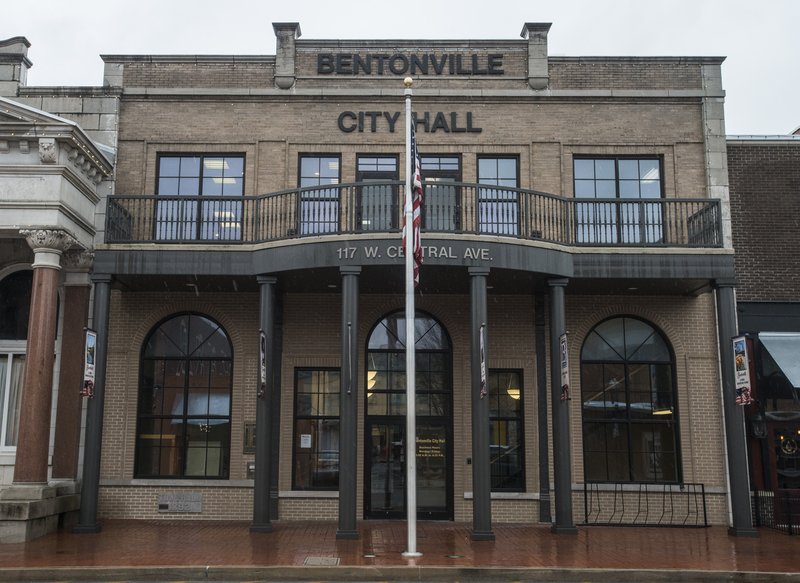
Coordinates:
column 275, row 408
column 348, row 404
column 736, row 440
column 481, row 471
column 77, row 289
column 562, row 454
column 87, row 519
column 264, row 395
column 33, row 441
column 541, row 395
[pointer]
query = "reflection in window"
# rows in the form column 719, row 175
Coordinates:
column 316, row 429
column 15, row 295
column 386, row 367
column 630, row 431
column 319, row 207
column 618, row 178
column 185, row 400
column 498, row 207
column 200, row 197
column 505, row 419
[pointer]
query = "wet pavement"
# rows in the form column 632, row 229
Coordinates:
column 127, row 550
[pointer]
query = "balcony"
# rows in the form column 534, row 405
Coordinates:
column 450, row 207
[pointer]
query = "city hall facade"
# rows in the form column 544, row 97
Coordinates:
column 247, row 287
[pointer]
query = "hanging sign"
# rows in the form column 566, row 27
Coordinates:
column 89, row 353
column 262, row 359
column 483, row 360
column 741, row 368
column 564, row 358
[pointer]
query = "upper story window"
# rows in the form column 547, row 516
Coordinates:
column 15, row 294
column 630, row 424
column 184, row 421
column 634, row 180
column 378, row 204
column 319, row 207
column 442, row 208
column 201, row 197
column 498, row 207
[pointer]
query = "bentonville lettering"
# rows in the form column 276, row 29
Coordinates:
column 413, row 64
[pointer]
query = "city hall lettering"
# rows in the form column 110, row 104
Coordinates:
column 373, row 121
column 413, row 64
column 396, row 251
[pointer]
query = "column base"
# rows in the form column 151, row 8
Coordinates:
column 261, row 527
column 29, row 511
column 87, row 528
column 745, row 532
column 557, row 529
column 347, row 534
column 482, row 535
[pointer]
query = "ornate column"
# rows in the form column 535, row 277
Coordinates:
column 481, row 470
column 34, row 425
column 562, row 452
column 735, row 438
column 77, row 288
column 348, row 405
column 262, row 478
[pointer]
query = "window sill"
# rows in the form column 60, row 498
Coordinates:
column 508, row 495
column 308, row 494
column 173, row 483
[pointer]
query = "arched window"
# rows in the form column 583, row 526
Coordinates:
column 15, row 303
column 630, row 430
column 185, row 400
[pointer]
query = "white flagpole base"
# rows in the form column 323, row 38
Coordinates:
column 411, row 554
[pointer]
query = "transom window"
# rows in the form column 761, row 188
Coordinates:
column 498, row 207
column 319, row 207
column 629, row 179
column 185, row 400
column 15, row 294
column 505, row 419
column 196, row 192
column 630, row 424
column 316, row 429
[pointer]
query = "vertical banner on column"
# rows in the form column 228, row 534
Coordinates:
column 90, row 347
column 262, row 360
column 741, row 367
column 482, row 347
column 564, row 358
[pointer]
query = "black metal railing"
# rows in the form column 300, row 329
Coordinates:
column 449, row 208
column 779, row 510
column 644, row 504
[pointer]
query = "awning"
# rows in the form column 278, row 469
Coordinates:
column 784, row 347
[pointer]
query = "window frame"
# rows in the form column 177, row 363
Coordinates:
column 196, row 227
column 502, row 202
column 305, row 200
column 637, row 221
column 295, row 435
column 519, row 419
column 385, row 223
column 185, row 417
column 628, row 420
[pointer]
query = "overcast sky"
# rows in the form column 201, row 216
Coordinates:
column 759, row 38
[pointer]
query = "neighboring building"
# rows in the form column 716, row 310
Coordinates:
column 563, row 195
column 53, row 175
column 765, row 203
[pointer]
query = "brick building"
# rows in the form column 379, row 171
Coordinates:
column 765, row 201
column 576, row 216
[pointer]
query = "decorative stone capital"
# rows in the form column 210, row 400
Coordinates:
column 48, row 150
column 79, row 260
column 49, row 239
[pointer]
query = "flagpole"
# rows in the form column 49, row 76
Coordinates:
column 411, row 421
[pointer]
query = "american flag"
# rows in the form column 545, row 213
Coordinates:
column 416, row 195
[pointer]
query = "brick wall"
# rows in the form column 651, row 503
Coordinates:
column 595, row 74
column 765, row 206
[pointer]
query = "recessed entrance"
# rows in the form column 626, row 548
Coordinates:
column 385, row 423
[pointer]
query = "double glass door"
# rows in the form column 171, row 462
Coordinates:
column 386, row 493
